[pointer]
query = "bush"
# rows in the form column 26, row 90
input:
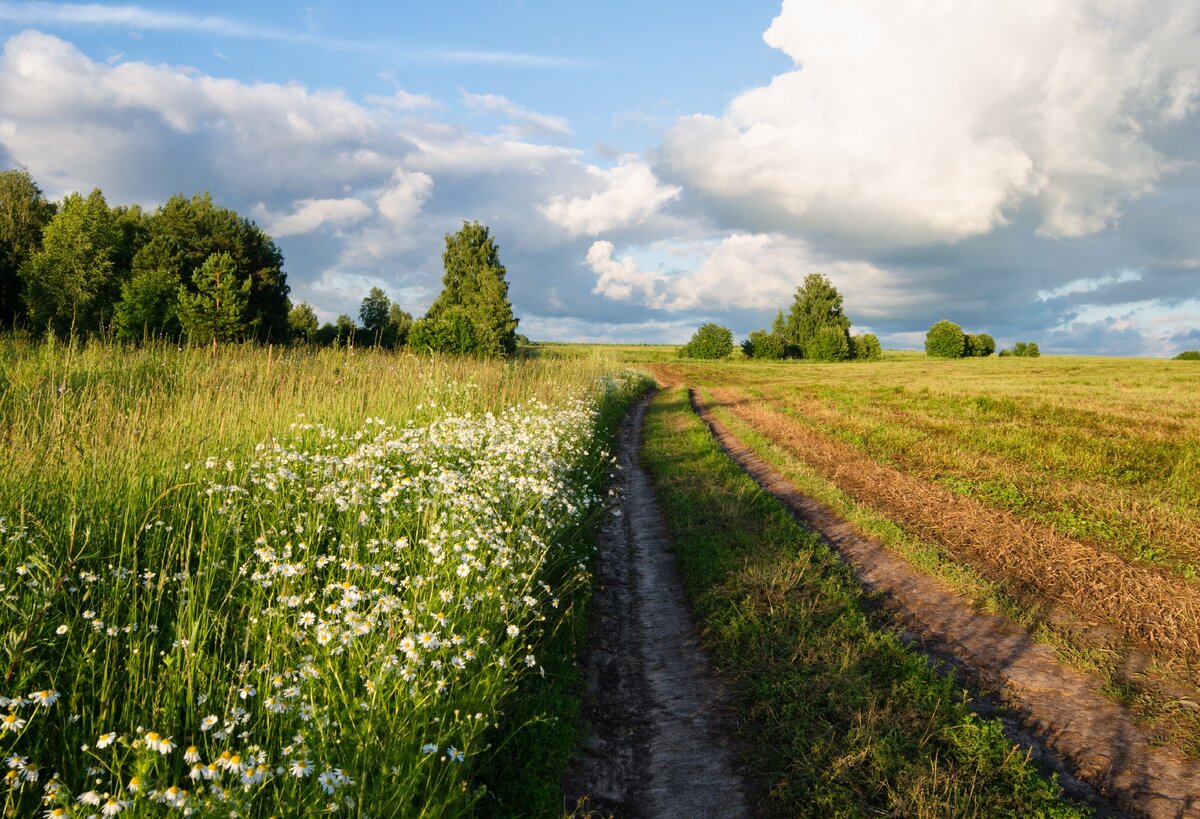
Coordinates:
column 1022, row 349
column 764, row 345
column 711, row 341
column 450, row 332
column 945, row 340
column 1188, row 355
column 980, row 345
column 865, row 347
column 830, row 343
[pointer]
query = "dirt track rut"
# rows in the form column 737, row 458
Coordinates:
column 655, row 743
column 1060, row 713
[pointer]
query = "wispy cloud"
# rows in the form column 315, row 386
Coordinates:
column 140, row 18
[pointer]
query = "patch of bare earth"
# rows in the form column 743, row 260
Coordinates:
column 655, row 741
column 1059, row 712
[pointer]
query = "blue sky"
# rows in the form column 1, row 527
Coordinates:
column 1031, row 172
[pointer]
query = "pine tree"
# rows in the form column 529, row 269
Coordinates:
column 217, row 310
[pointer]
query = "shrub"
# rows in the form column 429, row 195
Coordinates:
column 1188, row 355
column 945, row 339
column 711, row 341
column 1022, row 349
column 830, row 343
column 764, row 345
column 866, row 347
column 451, row 332
column 980, row 345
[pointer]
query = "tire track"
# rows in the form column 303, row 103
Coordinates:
column 1060, row 713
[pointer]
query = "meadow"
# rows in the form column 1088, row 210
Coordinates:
column 261, row 582
column 1059, row 491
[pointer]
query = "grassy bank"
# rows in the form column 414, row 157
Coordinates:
column 836, row 716
column 284, row 583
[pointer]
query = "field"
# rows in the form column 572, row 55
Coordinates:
column 288, row 583
column 1061, row 492
column 294, row 582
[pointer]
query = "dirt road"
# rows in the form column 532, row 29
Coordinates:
column 655, row 743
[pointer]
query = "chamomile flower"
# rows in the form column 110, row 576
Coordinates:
column 45, row 698
column 155, row 742
column 192, row 754
column 301, row 768
column 106, row 739
column 11, row 722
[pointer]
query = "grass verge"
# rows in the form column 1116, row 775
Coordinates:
column 836, row 715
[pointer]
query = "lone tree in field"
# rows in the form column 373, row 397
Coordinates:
column 945, row 340
column 817, row 327
column 711, row 341
column 474, row 291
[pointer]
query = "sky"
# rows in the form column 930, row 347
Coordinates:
column 1029, row 170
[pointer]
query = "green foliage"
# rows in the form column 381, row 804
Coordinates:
column 450, row 332
column 24, row 213
column 710, row 341
column 473, row 286
column 1023, row 349
column 217, row 311
column 383, row 322
column 829, row 343
column 189, row 231
column 346, row 330
column 764, row 345
column 302, row 322
column 1188, row 355
column 979, row 345
column 817, row 305
column 399, row 323
column 71, row 285
column 149, row 306
column 866, row 347
column 374, row 316
column 945, row 339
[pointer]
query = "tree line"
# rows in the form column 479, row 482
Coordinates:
column 196, row 271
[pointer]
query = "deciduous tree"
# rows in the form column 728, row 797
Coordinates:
column 817, row 306
column 474, row 283
column 71, row 282
column 24, row 213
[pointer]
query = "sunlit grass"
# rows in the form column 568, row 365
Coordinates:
column 280, row 582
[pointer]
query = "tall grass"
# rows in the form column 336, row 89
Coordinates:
column 279, row 582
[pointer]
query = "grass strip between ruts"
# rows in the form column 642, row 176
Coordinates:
column 835, row 714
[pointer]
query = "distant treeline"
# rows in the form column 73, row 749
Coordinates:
column 196, row 271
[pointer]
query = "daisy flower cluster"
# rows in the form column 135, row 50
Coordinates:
column 333, row 623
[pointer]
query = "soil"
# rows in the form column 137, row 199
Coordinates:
column 1101, row 753
column 655, row 741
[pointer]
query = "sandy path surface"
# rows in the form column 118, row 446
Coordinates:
column 655, row 744
column 1060, row 713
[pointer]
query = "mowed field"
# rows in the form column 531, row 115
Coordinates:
column 258, row 582
column 1062, row 492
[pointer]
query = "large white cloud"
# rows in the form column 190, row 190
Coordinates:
column 629, row 193
column 757, row 272
column 926, row 122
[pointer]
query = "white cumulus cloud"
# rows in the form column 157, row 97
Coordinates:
column 629, row 193
column 746, row 271
column 310, row 214
column 932, row 122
